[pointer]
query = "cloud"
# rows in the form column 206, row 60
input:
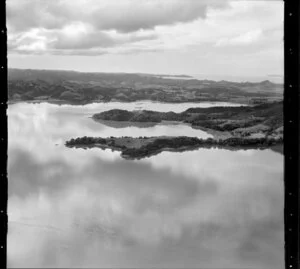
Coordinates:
column 63, row 27
column 74, row 38
column 98, row 27
column 77, row 36
column 123, row 16
column 242, row 39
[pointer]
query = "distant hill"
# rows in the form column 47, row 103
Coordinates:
column 79, row 88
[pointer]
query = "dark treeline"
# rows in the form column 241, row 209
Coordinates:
column 161, row 143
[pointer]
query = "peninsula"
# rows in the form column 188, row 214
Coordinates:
column 244, row 121
column 141, row 147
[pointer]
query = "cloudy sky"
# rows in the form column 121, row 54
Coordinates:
column 234, row 38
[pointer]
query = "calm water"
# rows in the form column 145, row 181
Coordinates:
column 207, row 208
column 254, row 79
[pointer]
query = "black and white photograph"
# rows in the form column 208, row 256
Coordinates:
column 145, row 134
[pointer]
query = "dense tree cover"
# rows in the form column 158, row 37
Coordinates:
column 215, row 118
column 158, row 144
column 137, row 116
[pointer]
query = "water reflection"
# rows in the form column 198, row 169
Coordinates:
column 90, row 208
column 76, row 123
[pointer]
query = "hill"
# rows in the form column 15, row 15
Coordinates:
column 82, row 88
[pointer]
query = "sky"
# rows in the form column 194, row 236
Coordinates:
column 207, row 37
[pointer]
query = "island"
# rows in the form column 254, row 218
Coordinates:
column 140, row 147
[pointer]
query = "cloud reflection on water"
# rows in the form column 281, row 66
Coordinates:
column 90, row 208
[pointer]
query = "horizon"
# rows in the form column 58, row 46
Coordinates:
column 275, row 79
